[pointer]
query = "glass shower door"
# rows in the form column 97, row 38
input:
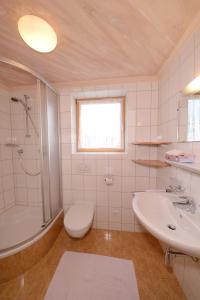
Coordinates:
column 53, row 149
column 30, row 194
column 21, row 211
column 50, row 152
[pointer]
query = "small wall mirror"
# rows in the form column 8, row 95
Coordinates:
column 189, row 119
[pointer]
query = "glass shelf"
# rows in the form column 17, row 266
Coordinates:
column 190, row 167
column 151, row 163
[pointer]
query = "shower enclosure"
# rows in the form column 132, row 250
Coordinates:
column 30, row 191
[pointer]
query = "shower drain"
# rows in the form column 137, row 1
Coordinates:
column 171, row 226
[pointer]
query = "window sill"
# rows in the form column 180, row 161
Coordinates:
column 100, row 153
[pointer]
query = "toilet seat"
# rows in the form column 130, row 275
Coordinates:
column 78, row 219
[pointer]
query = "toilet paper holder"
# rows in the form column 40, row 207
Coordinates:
column 108, row 179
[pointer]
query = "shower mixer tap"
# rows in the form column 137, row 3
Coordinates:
column 20, row 151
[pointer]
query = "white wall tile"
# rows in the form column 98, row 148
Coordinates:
column 115, row 226
column 116, row 185
column 102, row 214
column 101, row 186
column 128, row 227
column 66, row 181
column 102, row 198
column 65, row 119
column 143, row 99
column 77, row 182
column 115, row 199
column 115, row 215
column 115, row 167
column 88, row 171
column 102, row 167
column 131, row 116
column 90, row 182
column 143, row 133
column 90, row 196
column 127, row 199
column 143, row 117
column 141, row 183
column 183, row 69
column 128, row 184
column 127, row 215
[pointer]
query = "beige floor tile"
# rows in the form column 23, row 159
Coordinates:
column 155, row 282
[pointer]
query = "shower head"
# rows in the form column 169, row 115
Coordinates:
column 27, row 109
column 18, row 100
column 15, row 99
column 26, row 97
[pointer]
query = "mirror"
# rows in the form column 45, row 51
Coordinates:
column 189, row 119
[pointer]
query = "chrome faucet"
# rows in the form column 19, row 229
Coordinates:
column 184, row 202
column 187, row 203
column 175, row 189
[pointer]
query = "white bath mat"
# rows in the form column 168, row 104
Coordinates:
column 82, row 276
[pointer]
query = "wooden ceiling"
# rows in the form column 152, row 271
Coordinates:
column 11, row 76
column 98, row 39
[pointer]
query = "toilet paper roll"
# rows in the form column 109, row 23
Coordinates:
column 108, row 180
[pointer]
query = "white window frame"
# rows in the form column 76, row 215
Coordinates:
column 111, row 99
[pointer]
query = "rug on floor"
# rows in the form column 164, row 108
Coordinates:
column 82, row 276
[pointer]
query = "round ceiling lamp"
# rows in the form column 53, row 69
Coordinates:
column 37, row 33
column 193, row 87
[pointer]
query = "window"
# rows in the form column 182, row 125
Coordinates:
column 100, row 124
column 194, row 119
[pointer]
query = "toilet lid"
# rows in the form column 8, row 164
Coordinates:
column 79, row 216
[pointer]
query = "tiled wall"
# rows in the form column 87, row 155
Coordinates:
column 27, row 188
column 7, row 196
column 83, row 175
column 184, row 67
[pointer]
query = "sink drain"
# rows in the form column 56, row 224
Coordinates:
column 171, row 226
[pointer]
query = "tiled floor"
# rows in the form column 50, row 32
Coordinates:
column 155, row 282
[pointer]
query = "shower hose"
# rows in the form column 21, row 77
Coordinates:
column 22, row 166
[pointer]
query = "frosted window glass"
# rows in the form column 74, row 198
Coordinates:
column 101, row 124
column 193, row 120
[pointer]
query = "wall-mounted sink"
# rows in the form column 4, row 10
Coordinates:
column 172, row 224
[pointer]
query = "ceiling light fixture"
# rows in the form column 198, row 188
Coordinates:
column 37, row 33
column 193, row 87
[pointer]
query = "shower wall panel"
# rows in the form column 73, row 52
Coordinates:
column 7, row 195
column 50, row 152
column 53, row 147
column 27, row 188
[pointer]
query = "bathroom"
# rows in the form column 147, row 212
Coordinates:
column 99, row 154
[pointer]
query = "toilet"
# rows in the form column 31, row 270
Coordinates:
column 78, row 219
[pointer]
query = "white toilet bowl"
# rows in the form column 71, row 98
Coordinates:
column 78, row 219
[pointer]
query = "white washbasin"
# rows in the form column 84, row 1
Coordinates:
column 156, row 211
